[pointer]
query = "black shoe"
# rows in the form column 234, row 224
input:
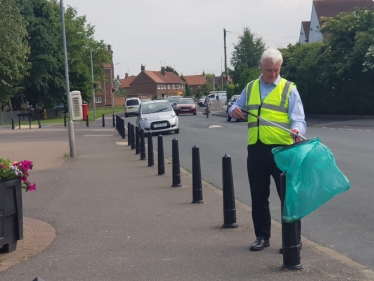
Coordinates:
column 259, row 244
column 281, row 248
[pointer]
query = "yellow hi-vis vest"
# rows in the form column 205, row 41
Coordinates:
column 274, row 108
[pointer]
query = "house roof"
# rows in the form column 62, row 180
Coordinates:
column 170, row 77
column 306, row 27
column 195, row 79
column 331, row 8
column 125, row 82
column 218, row 79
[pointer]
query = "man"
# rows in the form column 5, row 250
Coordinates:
column 277, row 100
column 207, row 102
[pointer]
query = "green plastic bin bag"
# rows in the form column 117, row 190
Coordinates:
column 312, row 177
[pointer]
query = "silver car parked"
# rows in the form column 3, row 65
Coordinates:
column 157, row 116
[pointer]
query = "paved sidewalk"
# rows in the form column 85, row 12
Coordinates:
column 115, row 219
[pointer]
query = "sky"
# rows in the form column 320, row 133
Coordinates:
column 188, row 34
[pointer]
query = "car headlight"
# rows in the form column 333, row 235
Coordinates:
column 193, row 107
column 172, row 115
column 144, row 118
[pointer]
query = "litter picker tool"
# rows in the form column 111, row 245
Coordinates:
column 279, row 126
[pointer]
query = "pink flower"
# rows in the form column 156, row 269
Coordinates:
column 25, row 164
column 31, row 187
column 3, row 166
column 24, row 178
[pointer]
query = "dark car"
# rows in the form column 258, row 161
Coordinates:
column 228, row 116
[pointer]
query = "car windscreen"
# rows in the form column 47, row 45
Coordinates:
column 156, row 107
column 132, row 102
column 186, row 101
column 173, row 99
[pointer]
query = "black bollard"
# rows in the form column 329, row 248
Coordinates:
column 142, row 145
column 12, row 123
column 229, row 210
column 129, row 134
column 290, row 235
column 114, row 121
column 137, row 140
column 176, row 165
column 39, row 125
column 151, row 160
column 132, row 136
column 117, row 123
column 121, row 123
column 197, row 189
column 65, row 120
column 103, row 120
column 87, row 122
column 160, row 155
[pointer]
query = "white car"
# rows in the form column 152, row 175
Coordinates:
column 157, row 116
column 132, row 106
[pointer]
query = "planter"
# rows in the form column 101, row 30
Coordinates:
column 11, row 214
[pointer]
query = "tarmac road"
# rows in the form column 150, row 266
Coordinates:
column 345, row 223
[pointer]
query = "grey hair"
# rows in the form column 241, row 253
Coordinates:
column 272, row 54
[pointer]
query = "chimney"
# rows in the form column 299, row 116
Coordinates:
column 163, row 70
column 142, row 68
column 110, row 49
column 126, row 75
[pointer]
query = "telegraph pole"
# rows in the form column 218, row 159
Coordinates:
column 70, row 124
column 224, row 41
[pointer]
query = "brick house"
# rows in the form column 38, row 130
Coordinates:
column 194, row 81
column 125, row 83
column 309, row 31
column 148, row 84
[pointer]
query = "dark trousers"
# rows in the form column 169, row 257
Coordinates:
column 260, row 166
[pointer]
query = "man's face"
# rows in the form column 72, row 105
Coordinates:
column 270, row 71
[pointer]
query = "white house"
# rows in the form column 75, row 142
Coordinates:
column 309, row 31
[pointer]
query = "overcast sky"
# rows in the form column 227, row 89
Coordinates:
column 188, row 35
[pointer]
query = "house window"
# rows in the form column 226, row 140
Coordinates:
column 168, row 86
column 158, row 86
column 173, row 86
column 98, row 100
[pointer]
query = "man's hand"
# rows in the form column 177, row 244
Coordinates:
column 296, row 139
column 237, row 113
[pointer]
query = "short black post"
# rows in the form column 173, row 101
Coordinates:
column 39, row 125
column 229, row 210
column 29, row 122
column 65, row 120
column 117, row 127
column 151, row 160
column 132, row 136
column 129, row 134
column 160, row 155
column 290, row 235
column 142, row 145
column 12, row 123
column 197, row 189
column 121, row 123
column 19, row 122
column 114, row 121
column 137, row 140
column 87, row 122
column 103, row 120
column 176, row 165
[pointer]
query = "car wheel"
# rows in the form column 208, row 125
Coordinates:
column 194, row 113
column 228, row 117
column 176, row 131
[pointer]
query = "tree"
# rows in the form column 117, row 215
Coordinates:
column 247, row 53
column 170, row 69
column 204, row 89
column 14, row 49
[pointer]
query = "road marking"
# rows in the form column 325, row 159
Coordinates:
column 215, row 126
column 122, row 143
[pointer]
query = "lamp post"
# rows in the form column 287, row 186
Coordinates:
column 93, row 88
column 111, row 84
column 70, row 124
